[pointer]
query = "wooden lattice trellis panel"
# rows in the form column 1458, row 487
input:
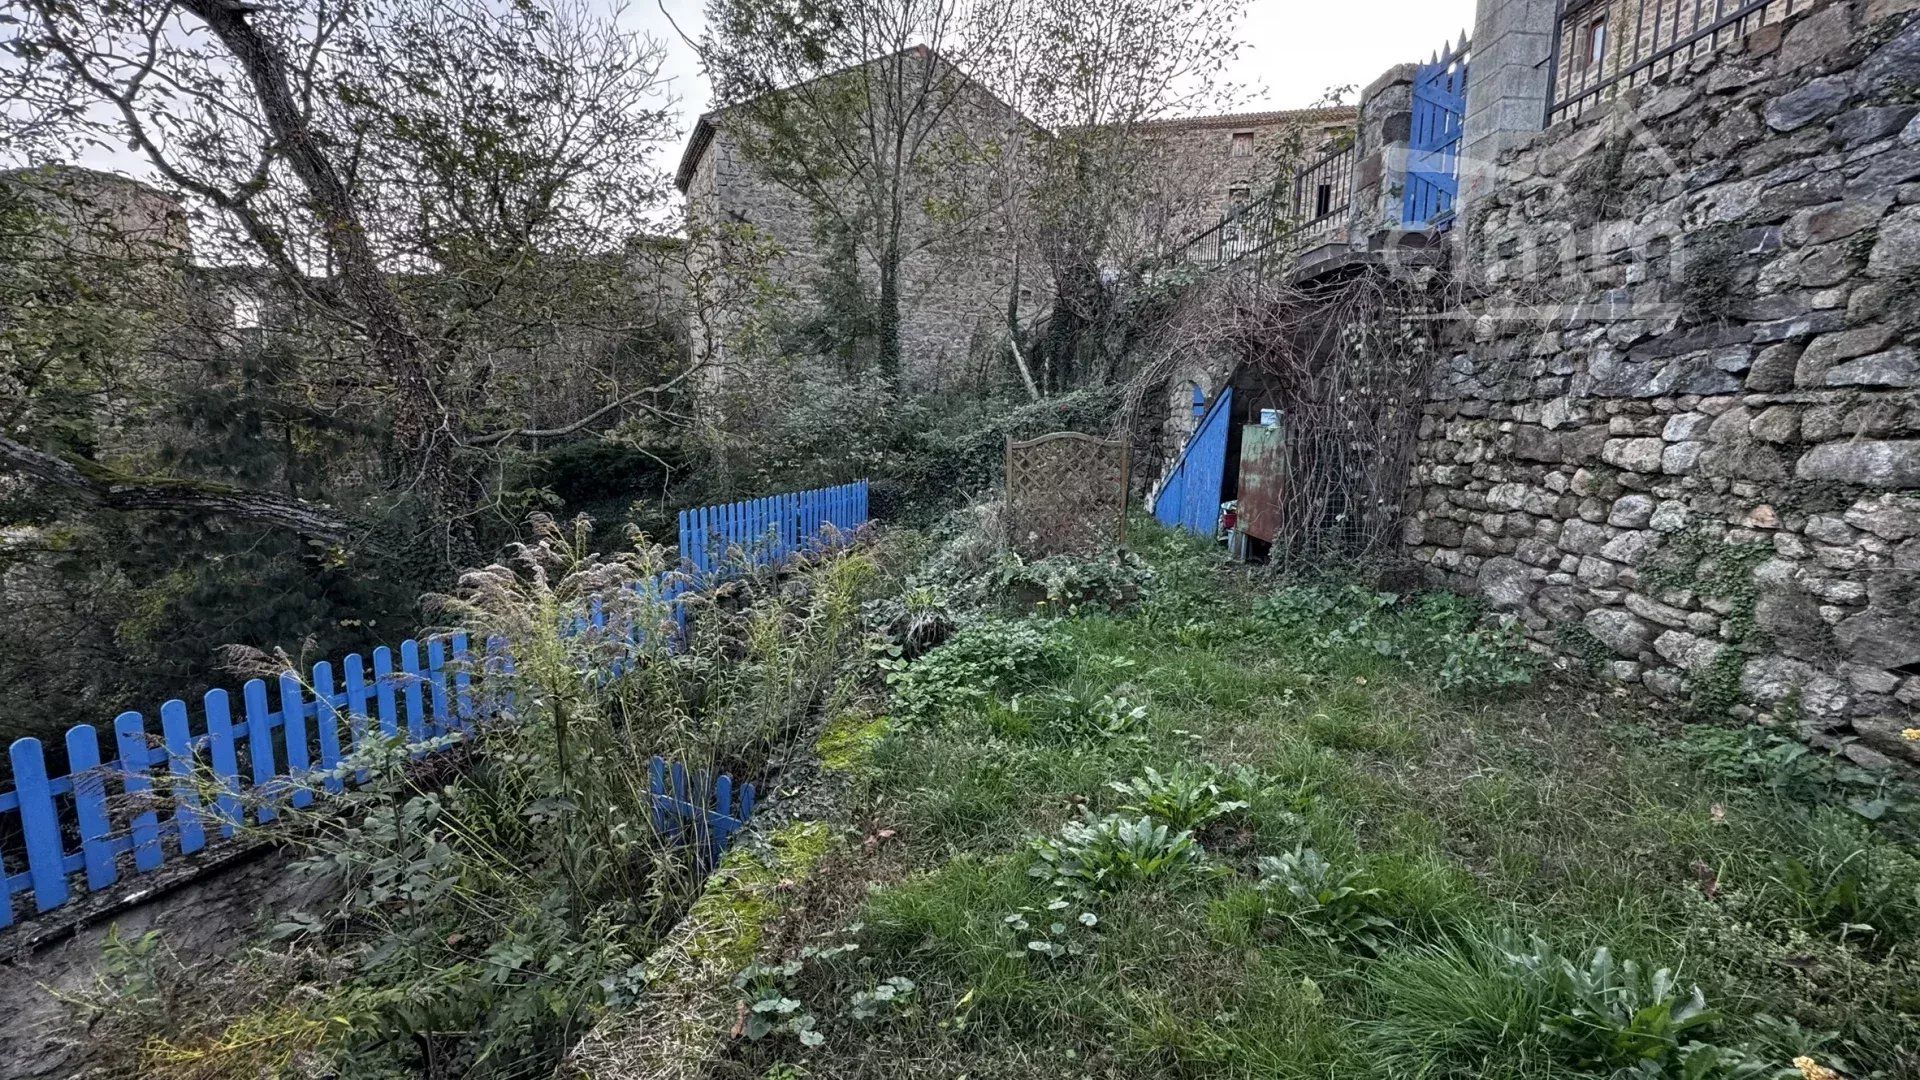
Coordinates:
column 1066, row 494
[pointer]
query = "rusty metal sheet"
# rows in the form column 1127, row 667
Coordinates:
column 1263, row 476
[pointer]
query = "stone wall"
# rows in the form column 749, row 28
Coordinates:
column 1679, row 436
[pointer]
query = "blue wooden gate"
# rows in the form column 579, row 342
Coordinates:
column 1190, row 498
column 1433, row 151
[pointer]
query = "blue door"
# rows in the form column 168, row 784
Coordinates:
column 1190, row 498
column 1433, row 151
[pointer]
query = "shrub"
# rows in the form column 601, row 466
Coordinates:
column 1109, row 853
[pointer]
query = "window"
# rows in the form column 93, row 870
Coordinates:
column 1593, row 42
column 1236, row 199
column 1243, row 144
column 1323, row 200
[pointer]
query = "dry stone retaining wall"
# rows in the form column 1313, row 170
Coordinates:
column 1679, row 436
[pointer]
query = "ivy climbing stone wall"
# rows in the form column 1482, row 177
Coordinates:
column 1678, row 434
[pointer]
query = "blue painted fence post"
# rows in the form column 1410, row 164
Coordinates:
column 293, row 722
column 180, row 758
column 46, row 860
column 260, row 749
column 223, row 752
column 136, row 761
column 90, row 804
column 326, row 722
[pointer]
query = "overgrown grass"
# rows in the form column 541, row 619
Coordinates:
column 1428, row 863
column 490, row 910
column 1191, row 824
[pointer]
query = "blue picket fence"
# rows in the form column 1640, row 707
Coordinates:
column 84, row 830
column 769, row 531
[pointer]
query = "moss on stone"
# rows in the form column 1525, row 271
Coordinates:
column 683, row 1017
column 846, row 744
column 726, row 924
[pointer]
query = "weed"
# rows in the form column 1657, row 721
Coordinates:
column 1305, row 890
column 1183, row 798
column 977, row 662
column 1080, row 713
column 1109, row 853
column 1055, row 932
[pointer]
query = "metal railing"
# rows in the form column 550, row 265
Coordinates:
column 1601, row 47
column 1323, row 194
column 1309, row 206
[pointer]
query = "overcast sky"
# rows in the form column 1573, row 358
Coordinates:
column 1296, row 49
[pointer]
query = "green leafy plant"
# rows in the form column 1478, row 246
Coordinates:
column 1438, row 635
column 915, row 621
column 1055, row 932
column 977, row 662
column 1067, row 584
column 1619, row 1015
column 1181, row 798
column 1846, row 880
column 1490, row 1004
column 891, row 995
column 1793, row 772
column 771, row 1007
column 1307, row 892
column 1109, row 853
column 1081, row 713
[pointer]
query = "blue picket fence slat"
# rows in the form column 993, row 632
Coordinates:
column 164, row 794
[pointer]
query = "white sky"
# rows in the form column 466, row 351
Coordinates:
column 1296, row 50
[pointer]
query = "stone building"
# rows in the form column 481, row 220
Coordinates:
column 958, row 279
column 958, row 264
column 1205, row 167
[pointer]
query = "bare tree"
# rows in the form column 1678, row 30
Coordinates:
column 426, row 176
column 1097, row 74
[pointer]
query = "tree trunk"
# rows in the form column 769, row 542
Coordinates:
column 889, row 314
column 102, row 487
column 423, row 432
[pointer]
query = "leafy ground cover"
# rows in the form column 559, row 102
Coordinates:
column 1176, row 821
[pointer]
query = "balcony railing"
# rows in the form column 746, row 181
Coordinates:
column 1309, row 207
column 1601, row 47
column 1323, row 195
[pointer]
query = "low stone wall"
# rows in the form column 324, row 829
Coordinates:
column 1679, row 435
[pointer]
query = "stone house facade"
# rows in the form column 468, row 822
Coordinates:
column 958, row 282
column 959, row 266
column 1203, row 167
